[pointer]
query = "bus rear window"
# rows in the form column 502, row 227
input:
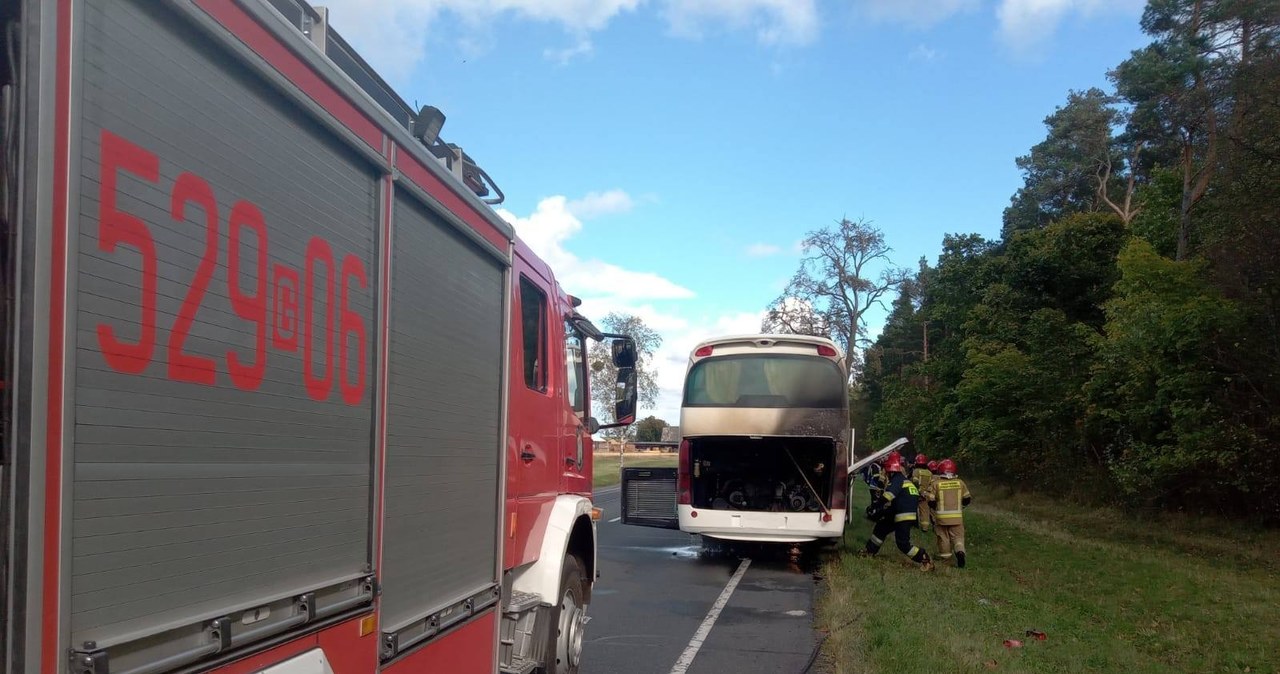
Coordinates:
column 765, row 381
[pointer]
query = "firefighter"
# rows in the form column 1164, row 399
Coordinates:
column 949, row 496
column 933, row 467
column 921, row 475
column 874, row 476
column 895, row 512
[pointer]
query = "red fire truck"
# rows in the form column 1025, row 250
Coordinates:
column 282, row 393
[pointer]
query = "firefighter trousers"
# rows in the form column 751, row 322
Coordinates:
column 901, row 532
column 950, row 538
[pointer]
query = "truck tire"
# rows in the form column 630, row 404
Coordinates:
column 563, row 653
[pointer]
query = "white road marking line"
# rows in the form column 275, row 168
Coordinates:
column 614, row 520
column 695, row 644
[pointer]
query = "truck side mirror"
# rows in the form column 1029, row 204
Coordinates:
column 625, row 409
column 624, row 354
column 624, row 358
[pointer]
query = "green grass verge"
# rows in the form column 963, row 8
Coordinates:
column 1113, row 594
column 606, row 472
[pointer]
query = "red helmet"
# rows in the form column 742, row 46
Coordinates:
column 947, row 466
column 921, row 460
column 893, row 463
column 933, row 466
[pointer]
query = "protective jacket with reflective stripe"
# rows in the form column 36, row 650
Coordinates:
column 901, row 498
column 948, row 496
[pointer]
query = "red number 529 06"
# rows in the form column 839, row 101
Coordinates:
column 325, row 334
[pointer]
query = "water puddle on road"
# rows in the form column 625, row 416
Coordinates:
column 806, row 561
column 680, row 551
column 684, row 551
column 687, row 551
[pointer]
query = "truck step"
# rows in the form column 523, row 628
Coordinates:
column 518, row 646
column 520, row 666
column 522, row 601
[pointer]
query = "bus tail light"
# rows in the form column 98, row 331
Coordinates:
column 684, row 475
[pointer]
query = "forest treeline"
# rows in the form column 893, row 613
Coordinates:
column 1121, row 339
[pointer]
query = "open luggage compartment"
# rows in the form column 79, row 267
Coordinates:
column 762, row 474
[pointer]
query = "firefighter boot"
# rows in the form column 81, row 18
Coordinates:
column 960, row 560
column 922, row 558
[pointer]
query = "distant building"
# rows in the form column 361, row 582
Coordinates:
column 670, row 441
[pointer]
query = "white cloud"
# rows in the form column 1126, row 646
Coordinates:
column 776, row 22
column 762, row 250
column 575, row 14
column 923, row 54
column 1024, row 24
column 564, row 56
column 919, row 13
column 662, row 321
column 553, row 223
column 596, row 204
column 596, row 277
column 393, row 34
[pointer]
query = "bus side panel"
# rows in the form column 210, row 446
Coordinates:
column 445, row 388
column 224, row 298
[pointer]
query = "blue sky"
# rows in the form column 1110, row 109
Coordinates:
column 666, row 156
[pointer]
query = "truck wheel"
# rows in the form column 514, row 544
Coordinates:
column 568, row 620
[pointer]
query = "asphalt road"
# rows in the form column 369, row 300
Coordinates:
column 650, row 610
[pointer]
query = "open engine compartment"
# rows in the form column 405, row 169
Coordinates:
column 767, row 474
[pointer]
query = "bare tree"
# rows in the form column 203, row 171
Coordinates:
column 836, row 285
